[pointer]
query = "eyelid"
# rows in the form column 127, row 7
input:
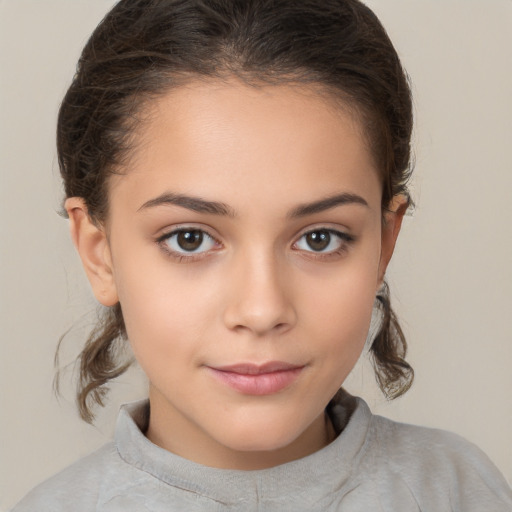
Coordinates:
column 336, row 229
column 185, row 256
column 345, row 238
column 183, row 226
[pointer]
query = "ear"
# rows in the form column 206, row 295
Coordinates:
column 391, row 224
column 92, row 245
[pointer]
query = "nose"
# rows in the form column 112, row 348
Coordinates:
column 259, row 298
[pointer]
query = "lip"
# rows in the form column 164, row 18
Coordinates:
column 255, row 379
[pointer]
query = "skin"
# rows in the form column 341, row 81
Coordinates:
column 255, row 291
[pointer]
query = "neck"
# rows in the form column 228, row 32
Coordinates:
column 186, row 439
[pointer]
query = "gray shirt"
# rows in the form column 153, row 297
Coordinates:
column 374, row 464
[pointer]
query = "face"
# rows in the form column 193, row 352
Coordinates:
column 245, row 244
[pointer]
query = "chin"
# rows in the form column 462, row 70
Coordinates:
column 258, row 438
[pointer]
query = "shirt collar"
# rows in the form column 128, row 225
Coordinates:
column 323, row 471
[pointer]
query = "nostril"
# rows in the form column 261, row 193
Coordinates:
column 259, row 302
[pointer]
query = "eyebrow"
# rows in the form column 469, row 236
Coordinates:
column 326, row 204
column 195, row 204
column 200, row 205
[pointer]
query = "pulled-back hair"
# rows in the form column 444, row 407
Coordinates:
column 144, row 48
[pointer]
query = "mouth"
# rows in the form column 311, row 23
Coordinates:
column 254, row 379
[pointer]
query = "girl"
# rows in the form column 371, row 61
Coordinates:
column 236, row 178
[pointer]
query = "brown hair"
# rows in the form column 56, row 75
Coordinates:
column 143, row 48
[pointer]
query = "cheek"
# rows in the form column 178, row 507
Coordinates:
column 338, row 309
column 166, row 311
column 345, row 310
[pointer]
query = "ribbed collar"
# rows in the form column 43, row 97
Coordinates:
column 331, row 466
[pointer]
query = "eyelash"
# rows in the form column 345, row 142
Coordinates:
column 188, row 257
column 345, row 240
column 185, row 256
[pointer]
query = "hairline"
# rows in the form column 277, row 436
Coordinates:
column 145, row 107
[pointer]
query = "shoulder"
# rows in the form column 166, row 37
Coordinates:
column 435, row 462
column 423, row 446
column 78, row 485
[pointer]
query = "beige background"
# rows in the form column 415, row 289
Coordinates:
column 451, row 277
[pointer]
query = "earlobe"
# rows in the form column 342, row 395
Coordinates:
column 391, row 224
column 92, row 245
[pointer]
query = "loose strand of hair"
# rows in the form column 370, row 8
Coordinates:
column 393, row 373
column 100, row 362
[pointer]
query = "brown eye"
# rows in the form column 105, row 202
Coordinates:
column 183, row 241
column 318, row 240
column 324, row 241
column 189, row 240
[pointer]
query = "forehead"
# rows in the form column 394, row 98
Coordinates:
column 227, row 139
